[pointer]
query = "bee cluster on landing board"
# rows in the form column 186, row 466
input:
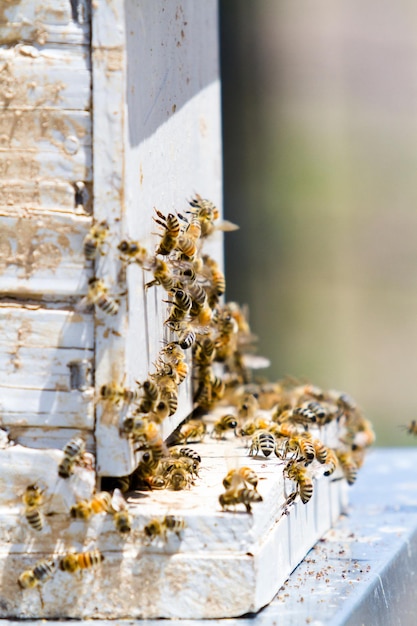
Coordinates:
column 282, row 419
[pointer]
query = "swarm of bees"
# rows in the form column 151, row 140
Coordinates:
column 281, row 421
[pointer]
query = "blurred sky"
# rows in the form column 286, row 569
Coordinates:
column 320, row 161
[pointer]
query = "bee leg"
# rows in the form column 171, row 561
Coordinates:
column 291, row 498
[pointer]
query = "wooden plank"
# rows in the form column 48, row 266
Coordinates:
column 33, row 326
column 156, row 141
column 55, row 78
column 52, row 369
column 44, row 22
column 44, row 130
column 49, row 437
column 64, row 165
column 46, row 408
column 20, row 467
column 251, row 555
column 37, row 346
column 33, row 193
column 42, row 254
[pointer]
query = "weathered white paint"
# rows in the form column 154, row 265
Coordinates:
column 52, row 77
column 36, row 347
column 157, row 140
column 223, row 564
column 45, row 21
column 41, row 254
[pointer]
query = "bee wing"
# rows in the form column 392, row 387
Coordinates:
column 84, row 305
column 255, row 362
column 118, row 503
column 226, row 226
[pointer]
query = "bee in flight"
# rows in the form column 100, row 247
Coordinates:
column 73, row 452
column 160, row 527
column 98, row 294
column 99, row 503
column 95, row 240
column 243, row 495
column 411, row 428
column 43, row 571
column 121, row 516
column 33, row 500
column 73, row 561
column 115, row 393
column 245, row 475
column 132, row 252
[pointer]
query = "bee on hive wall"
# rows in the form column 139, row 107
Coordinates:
column 73, row 561
column 41, row 572
column 159, row 528
column 33, row 500
column 73, row 452
column 95, row 240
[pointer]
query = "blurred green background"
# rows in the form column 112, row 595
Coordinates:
column 320, row 162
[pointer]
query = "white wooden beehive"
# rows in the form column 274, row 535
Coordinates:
column 113, row 108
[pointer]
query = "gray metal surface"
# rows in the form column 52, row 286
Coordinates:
column 362, row 571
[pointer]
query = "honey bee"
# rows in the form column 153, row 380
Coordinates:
column 199, row 300
column 168, row 389
column 132, row 252
column 348, row 465
column 73, row 451
column 331, row 462
column 411, row 428
column 33, row 500
column 186, row 338
column 232, row 497
column 98, row 294
column 302, row 448
column 193, row 229
column 121, row 516
column 223, row 424
column 342, row 400
column 162, row 276
column 115, row 393
column 179, row 475
column 95, row 240
column 320, row 450
column 73, row 561
column 99, row 503
column 187, row 246
column 251, row 426
column 243, row 474
column 304, row 415
column 204, row 352
column 216, row 278
column 160, row 527
column 193, row 430
column 150, row 440
column 150, row 397
column 161, row 411
column 207, row 213
column 172, row 228
column 248, row 406
column 180, row 307
column 174, row 356
column 43, row 571
column 299, row 474
column 263, row 441
column 210, row 388
column 189, row 455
